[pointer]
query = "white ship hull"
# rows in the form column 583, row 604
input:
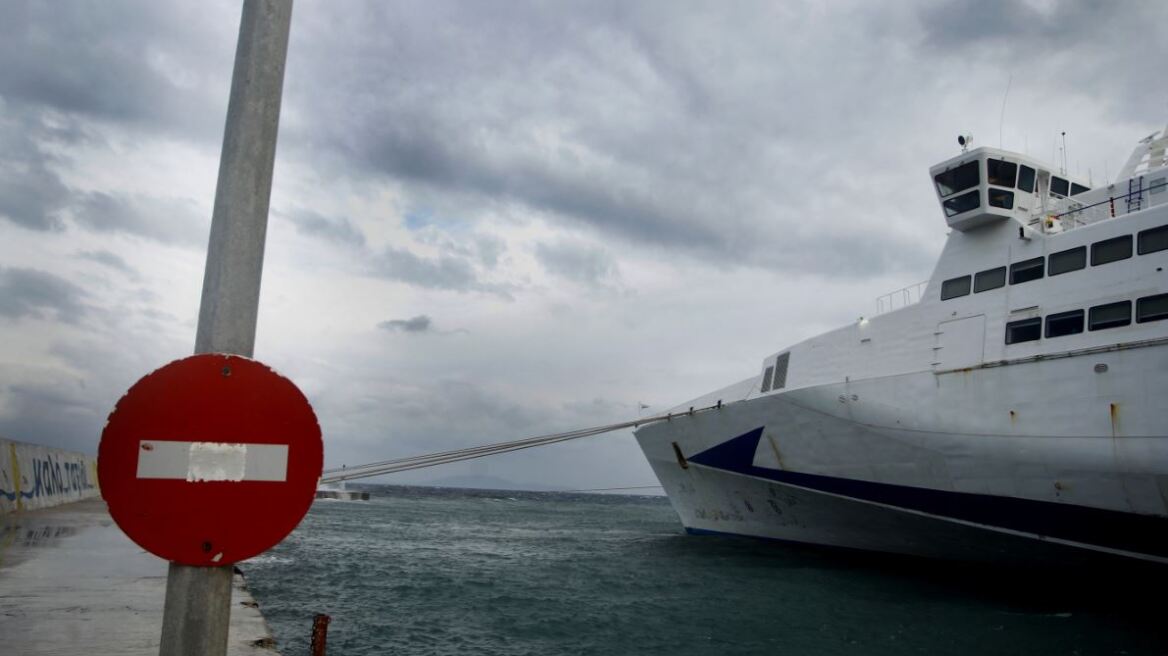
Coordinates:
column 944, row 465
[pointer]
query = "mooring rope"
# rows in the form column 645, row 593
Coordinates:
column 443, row 457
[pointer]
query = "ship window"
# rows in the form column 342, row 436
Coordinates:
column 1152, row 308
column 1078, row 189
column 1064, row 323
column 1111, row 250
column 781, row 370
column 990, row 279
column 1157, row 186
column 1026, row 179
column 959, row 179
column 1001, row 198
column 1112, row 315
column 1001, row 173
column 1067, row 261
column 1026, row 330
column 766, row 379
column 962, row 203
column 954, row 287
column 1059, row 186
column 1153, row 240
column 1026, row 270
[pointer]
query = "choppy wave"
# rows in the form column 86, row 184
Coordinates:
column 425, row 571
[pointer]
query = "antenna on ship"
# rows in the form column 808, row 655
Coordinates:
column 1002, row 117
column 1064, row 150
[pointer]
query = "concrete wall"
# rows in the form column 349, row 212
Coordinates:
column 33, row 476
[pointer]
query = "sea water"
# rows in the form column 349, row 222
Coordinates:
column 442, row 571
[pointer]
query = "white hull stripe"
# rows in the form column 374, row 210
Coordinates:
column 212, row 461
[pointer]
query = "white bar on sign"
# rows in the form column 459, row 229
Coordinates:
column 217, row 461
column 267, row 462
column 163, row 459
column 212, row 461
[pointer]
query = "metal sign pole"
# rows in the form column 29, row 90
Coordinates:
column 198, row 599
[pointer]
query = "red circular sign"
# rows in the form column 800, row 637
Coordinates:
column 210, row 460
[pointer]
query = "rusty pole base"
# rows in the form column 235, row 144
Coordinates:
column 319, row 634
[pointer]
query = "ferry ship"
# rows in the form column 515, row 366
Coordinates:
column 1011, row 408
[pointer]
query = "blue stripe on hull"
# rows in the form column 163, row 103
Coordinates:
column 1142, row 534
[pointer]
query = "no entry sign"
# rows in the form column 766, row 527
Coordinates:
column 210, row 460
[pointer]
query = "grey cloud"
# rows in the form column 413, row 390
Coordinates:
column 609, row 118
column 417, row 412
column 70, row 69
column 417, row 325
column 67, row 406
column 1073, row 42
column 40, row 295
column 490, row 249
column 441, row 272
column 31, row 193
column 579, row 263
column 146, row 64
column 167, row 220
column 339, row 230
column 957, row 23
column 34, row 196
column 111, row 260
column 56, row 415
column 383, row 417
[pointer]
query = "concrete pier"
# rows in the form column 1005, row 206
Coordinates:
column 71, row 582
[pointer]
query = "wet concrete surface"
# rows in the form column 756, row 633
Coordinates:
column 71, row 582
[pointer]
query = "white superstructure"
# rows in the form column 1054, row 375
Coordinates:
column 1018, row 404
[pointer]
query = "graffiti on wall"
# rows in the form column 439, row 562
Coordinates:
column 33, row 476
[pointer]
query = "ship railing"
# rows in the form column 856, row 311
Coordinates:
column 1069, row 213
column 900, row 298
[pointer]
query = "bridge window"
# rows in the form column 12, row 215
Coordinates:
column 1026, row 270
column 989, row 279
column 1026, row 179
column 959, row 179
column 1026, row 330
column 1001, row 173
column 954, row 287
column 1059, row 186
column 1064, row 323
column 1152, row 308
column 1067, row 261
column 1112, row 315
column 1153, row 240
column 1001, row 198
column 1111, row 250
column 962, row 203
column 1078, row 189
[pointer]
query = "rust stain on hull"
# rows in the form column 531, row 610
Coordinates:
column 775, row 448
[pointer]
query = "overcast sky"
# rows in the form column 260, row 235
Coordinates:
column 493, row 220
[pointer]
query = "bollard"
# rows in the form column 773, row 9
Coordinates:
column 319, row 633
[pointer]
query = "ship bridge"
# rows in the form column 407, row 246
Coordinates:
column 987, row 185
